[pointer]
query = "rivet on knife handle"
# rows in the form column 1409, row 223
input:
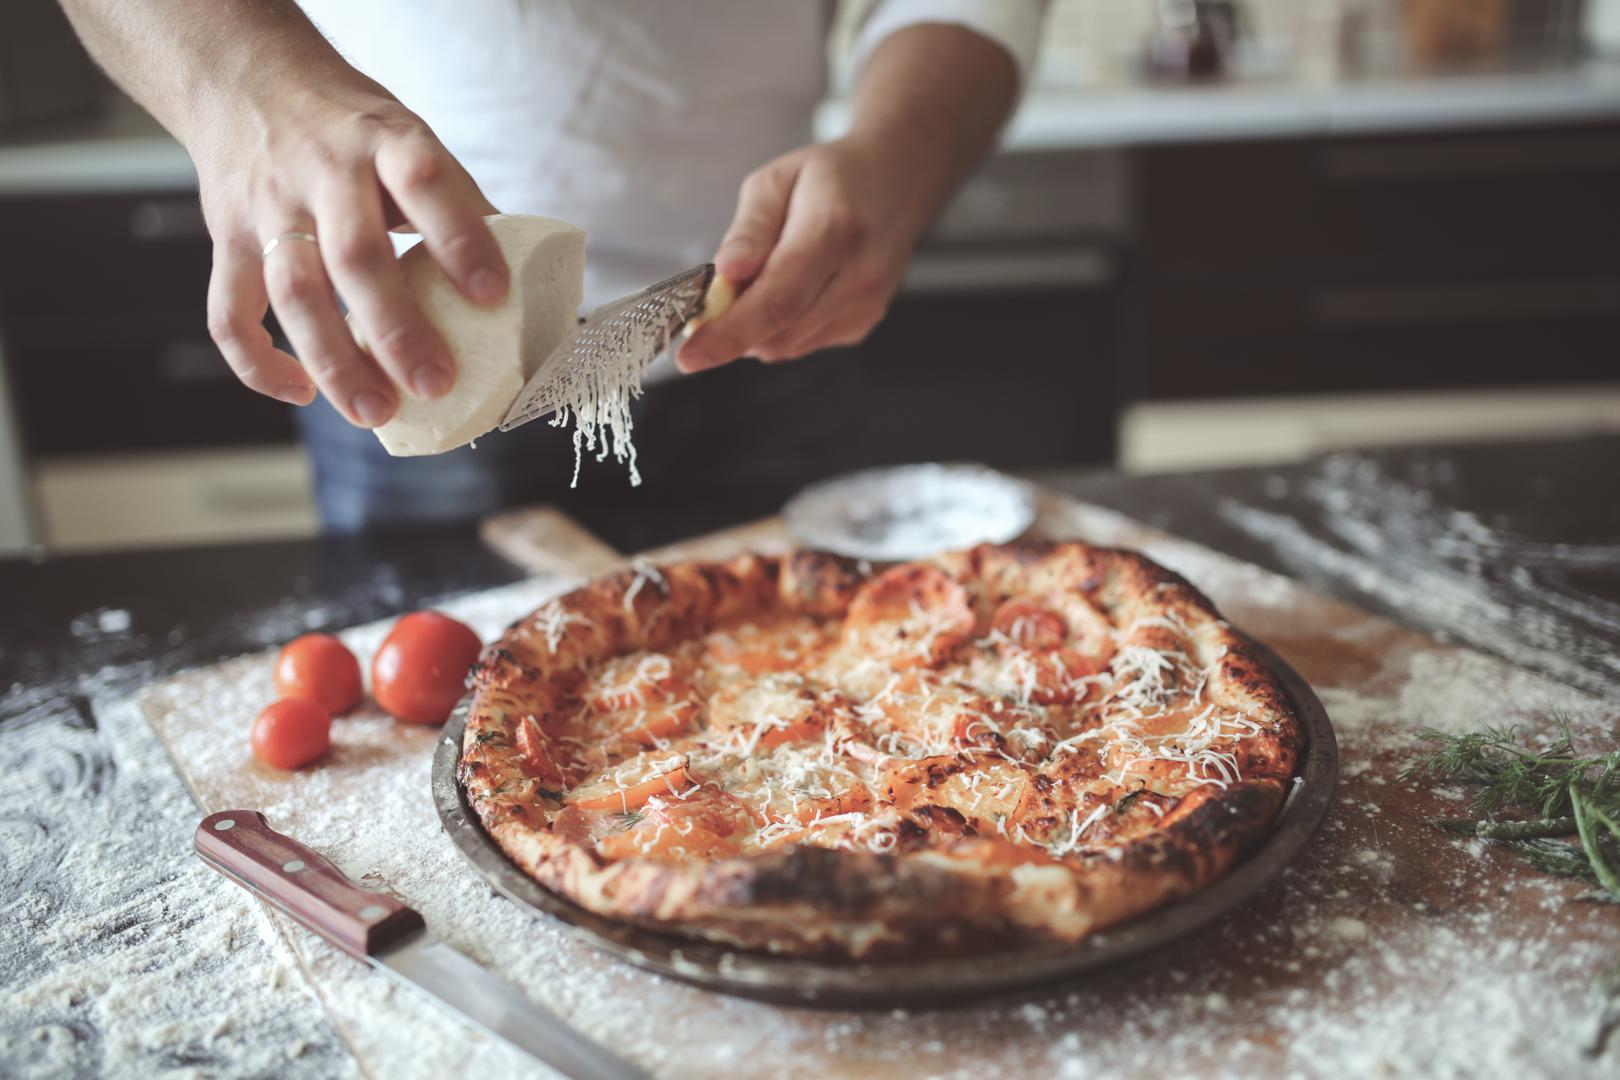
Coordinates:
column 241, row 845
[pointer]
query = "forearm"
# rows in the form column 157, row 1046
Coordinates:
column 193, row 62
column 937, row 94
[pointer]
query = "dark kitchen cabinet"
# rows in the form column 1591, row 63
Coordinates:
column 1000, row 349
column 103, row 325
column 1413, row 261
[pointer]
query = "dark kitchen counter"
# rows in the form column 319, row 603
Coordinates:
column 1512, row 549
column 1527, row 534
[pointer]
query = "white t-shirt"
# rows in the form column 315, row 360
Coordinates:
column 633, row 119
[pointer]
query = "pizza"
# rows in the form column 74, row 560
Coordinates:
column 812, row 755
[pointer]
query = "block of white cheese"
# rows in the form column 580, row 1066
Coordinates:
column 496, row 349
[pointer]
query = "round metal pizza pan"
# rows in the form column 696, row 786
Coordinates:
column 832, row 984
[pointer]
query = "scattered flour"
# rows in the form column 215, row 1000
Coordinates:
column 120, row 954
column 159, row 968
column 1385, row 951
column 1446, row 568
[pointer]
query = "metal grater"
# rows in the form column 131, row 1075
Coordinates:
column 627, row 334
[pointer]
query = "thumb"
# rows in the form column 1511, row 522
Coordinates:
column 761, row 209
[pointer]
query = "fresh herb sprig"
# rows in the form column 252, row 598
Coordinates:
column 1511, row 775
column 1564, row 807
column 1544, row 792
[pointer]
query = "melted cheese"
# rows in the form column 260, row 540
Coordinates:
column 645, row 572
column 553, row 620
column 807, row 751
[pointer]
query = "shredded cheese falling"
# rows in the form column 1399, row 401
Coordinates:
column 594, row 390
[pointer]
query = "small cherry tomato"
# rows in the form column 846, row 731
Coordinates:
column 319, row 668
column 291, row 733
column 420, row 672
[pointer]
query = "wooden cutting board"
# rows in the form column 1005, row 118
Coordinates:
column 1390, row 949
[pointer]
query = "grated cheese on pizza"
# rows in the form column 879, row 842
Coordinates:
column 1005, row 727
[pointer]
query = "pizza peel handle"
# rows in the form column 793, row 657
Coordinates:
column 241, row 845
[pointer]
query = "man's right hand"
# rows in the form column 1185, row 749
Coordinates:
column 288, row 138
column 343, row 165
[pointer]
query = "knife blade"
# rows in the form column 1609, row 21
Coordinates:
column 393, row 938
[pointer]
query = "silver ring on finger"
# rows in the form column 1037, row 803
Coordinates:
column 284, row 238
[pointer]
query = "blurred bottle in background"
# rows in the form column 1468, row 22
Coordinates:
column 1453, row 34
column 1113, row 43
column 1194, row 39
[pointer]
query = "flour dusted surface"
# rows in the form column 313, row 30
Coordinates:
column 1381, row 534
column 1388, row 950
column 121, row 954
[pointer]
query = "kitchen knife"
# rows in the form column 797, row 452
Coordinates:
column 393, row 938
column 615, row 340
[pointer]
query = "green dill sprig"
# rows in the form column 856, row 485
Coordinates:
column 1590, row 814
column 1551, row 791
column 1566, row 809
column 1555, row 857
column 1506, row 830
column 1511, row 775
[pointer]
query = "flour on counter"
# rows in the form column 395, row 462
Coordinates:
column 1341, row 924
column 1385, row 539
column 1344, row 969
column 137, row 973
column 120, row 954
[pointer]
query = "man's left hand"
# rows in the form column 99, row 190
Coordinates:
column 818, row 247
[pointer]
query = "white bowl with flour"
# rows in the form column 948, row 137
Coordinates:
column 910, row 511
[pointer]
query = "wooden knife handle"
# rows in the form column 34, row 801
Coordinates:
column 279, row 870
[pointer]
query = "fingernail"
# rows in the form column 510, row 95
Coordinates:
column 371, row 407
column 488, row 287
column 431, row 381
column 296, row 394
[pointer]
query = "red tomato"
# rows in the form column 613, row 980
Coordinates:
column 421, row 670
column 291, row 733
column 319, row 668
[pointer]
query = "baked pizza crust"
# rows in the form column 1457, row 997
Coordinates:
column 951, row 880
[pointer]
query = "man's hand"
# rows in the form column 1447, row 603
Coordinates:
column 820, row 239
column 822, row 235
column 289, row 139
column 343, row 167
